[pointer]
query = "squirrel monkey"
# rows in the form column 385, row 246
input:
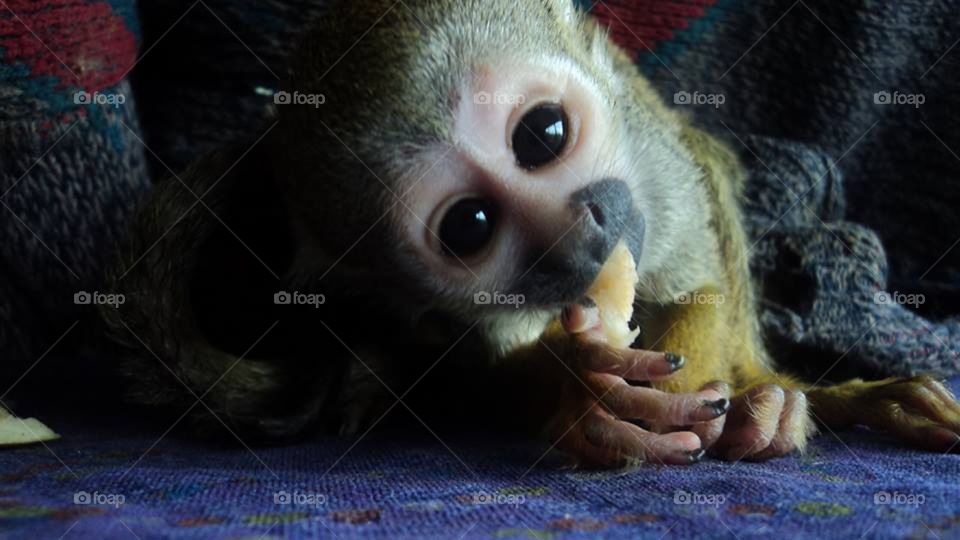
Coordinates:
column 470, row 170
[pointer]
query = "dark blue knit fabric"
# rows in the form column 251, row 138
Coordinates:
column 100, row 482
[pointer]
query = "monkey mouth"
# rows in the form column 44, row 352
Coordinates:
column 565, row 273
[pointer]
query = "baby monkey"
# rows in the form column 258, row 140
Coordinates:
column 471, row 169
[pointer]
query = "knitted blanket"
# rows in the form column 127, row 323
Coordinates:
column 845, row 112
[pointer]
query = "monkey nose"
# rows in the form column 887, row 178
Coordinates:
column 606, row 207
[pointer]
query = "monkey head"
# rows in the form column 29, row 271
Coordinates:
column 479, row 163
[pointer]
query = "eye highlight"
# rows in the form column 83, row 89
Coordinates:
column 468, row 227
column 540, row 136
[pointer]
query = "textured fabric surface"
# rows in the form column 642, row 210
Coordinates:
column 419, row 486
column 71, row 164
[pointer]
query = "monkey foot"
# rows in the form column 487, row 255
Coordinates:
column 920, row 411
column 764, row 422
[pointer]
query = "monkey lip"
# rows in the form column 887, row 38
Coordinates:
column 557, row 284
column 564, row 286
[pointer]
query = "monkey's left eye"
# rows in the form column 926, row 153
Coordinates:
column 540, row 136
column 468, row 227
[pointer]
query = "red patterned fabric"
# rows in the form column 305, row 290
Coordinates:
column 80, row 45
column 638, row 25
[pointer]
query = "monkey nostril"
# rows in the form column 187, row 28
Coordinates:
column 597, row 213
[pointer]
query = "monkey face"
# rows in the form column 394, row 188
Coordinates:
column 527, row 200
column 485, row 170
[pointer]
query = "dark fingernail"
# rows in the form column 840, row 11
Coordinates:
column 587, row 302
column 696, row 456
column 675, row 361
column 720, row 406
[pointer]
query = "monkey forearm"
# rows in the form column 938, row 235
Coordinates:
column 710, row 337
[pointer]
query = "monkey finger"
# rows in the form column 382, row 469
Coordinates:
column 794, row 430
column 929, row 397
column 631, row 364
column 946, row 397
column 917, row 431
column 655, row 407
column 574, row 443
column 634, row 443
column 752, row 423
column 583, row 319
column 710, row 431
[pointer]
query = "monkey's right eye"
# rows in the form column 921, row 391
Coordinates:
column 468, row 227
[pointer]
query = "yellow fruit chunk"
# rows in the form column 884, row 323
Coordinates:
column 614, row 291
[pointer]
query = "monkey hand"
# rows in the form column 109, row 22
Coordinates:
column 599, row 410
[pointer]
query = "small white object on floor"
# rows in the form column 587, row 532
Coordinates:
column 19, row 431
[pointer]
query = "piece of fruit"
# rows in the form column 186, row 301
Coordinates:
column 614, row 291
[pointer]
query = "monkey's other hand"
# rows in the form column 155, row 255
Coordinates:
column 599, row 409
column 920, row 411
column 364, row 400
column 764, row 422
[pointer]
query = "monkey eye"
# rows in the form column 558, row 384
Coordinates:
column 540, row 136
column 468, row 227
